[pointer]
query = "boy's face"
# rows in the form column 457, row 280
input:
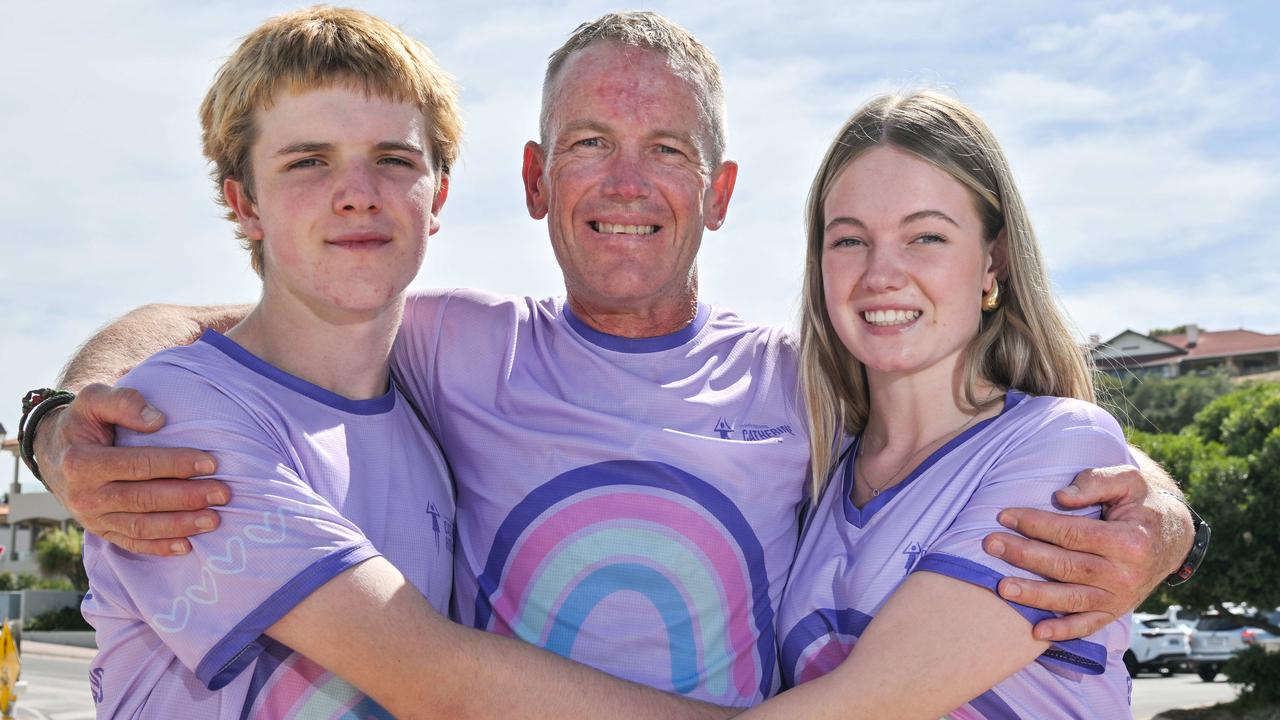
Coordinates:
column 345, row 195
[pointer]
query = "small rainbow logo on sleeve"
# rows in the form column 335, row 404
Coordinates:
column 639, row 569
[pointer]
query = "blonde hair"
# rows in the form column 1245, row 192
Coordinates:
column 1025, row 344
column 315, row 48
column 687, row 58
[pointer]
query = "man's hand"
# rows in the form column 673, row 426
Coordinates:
column 137, row 497
column 1104, row 568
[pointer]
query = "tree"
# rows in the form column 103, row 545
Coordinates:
column 1228, row 462
column 60, row 554
column 1160, row 405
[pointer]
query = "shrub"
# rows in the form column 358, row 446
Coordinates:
column 67, row 618
column 1257, row 672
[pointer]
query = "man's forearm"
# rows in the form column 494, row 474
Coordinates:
column 120, row 346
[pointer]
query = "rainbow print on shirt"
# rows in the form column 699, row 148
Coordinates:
column 642, row 570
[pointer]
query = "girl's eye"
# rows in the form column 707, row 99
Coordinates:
column 847, row 242
column 930, row 238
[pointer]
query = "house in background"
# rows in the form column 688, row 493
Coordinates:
column 1238, row 352
column 24, row 516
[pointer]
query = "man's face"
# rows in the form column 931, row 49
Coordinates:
column 623, row 181
column 345, row 195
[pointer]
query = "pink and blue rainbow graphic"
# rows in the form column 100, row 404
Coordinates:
column 825, row 637
column 288, row 685
column 616, row 535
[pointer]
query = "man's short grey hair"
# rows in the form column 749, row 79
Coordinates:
column 687, row 58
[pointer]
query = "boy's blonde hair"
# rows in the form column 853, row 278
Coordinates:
column 315, row 48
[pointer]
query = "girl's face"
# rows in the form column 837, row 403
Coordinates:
column 904, row 263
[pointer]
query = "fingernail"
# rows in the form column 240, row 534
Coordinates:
column 204, row 466
column 1010, row 590
column 216, row 498
column 178, row 548
column 204, row 522
column 996, row 547
column 1071, row 490
column 150, row 414
column 1040, row 634
column 1008, row 520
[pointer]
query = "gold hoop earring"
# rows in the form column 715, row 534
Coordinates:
column 991, row 298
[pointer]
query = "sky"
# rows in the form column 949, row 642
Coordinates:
column 1145, row 138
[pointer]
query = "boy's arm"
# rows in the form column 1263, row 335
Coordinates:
column 371, row 627
column 97, row 482
column 1102, row 568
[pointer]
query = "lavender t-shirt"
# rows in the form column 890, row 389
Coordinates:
column 628, row 503
column 319, row 483
column 852, row 559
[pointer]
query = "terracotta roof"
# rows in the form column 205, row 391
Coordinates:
column 1222, row 343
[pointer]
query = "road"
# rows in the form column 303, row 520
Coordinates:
column 1153, row 694
column 58, row 689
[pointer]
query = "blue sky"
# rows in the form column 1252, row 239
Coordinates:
column 1144, row 137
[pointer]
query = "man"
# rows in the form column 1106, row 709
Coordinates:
column 629, row 461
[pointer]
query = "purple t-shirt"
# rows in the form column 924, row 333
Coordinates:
column 319, row 483
column 628, row 503
column 852, row 559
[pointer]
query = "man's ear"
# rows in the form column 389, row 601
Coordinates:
column 437, row 202
column 716, row 200
column 997, row 260
column 242, row 205
column 535, row 190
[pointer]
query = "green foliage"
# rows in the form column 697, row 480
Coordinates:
column 67, row 618
column 1159, row 405
column 31, row 581
column 1178, row 330
column 59, row 554
column 1228, row 463
column 1257, row 672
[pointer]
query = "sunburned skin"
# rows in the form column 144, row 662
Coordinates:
column 627, row 159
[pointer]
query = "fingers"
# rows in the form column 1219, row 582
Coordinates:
column 155, row 525
column 90, row 463
column 118, row 406
column 162, row 496
column 1103, row 486
column 1048, row 560
column 1067, row 531
column 167, row 547
column 1070, row 627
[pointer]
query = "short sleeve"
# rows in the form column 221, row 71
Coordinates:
column 413, row 356
column 1057, row 439
column 277, row 543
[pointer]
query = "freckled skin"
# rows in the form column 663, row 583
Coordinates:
column 626, row 145
column 304, row 199
column 926, row 264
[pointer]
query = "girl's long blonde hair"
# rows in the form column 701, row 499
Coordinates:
column 1025, row 344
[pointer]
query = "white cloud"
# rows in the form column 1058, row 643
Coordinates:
column 1111, row 34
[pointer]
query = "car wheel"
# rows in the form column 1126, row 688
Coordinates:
column 1208, row 673
column 1131, row 663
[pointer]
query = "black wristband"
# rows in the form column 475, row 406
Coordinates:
column 1199, row 546
column 35, row 405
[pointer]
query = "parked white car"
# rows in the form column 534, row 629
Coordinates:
column 1156, row 644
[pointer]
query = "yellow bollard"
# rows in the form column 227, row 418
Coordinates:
column 10, row 669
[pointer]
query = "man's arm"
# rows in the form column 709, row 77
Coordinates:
column 1103, row 568
column 97, row 482
column 371, row 627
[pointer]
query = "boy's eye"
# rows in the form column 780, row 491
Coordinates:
column 304, row 163
column 394, row 160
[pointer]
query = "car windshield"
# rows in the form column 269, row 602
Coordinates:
column 1214, row 623
column 1158, row 623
